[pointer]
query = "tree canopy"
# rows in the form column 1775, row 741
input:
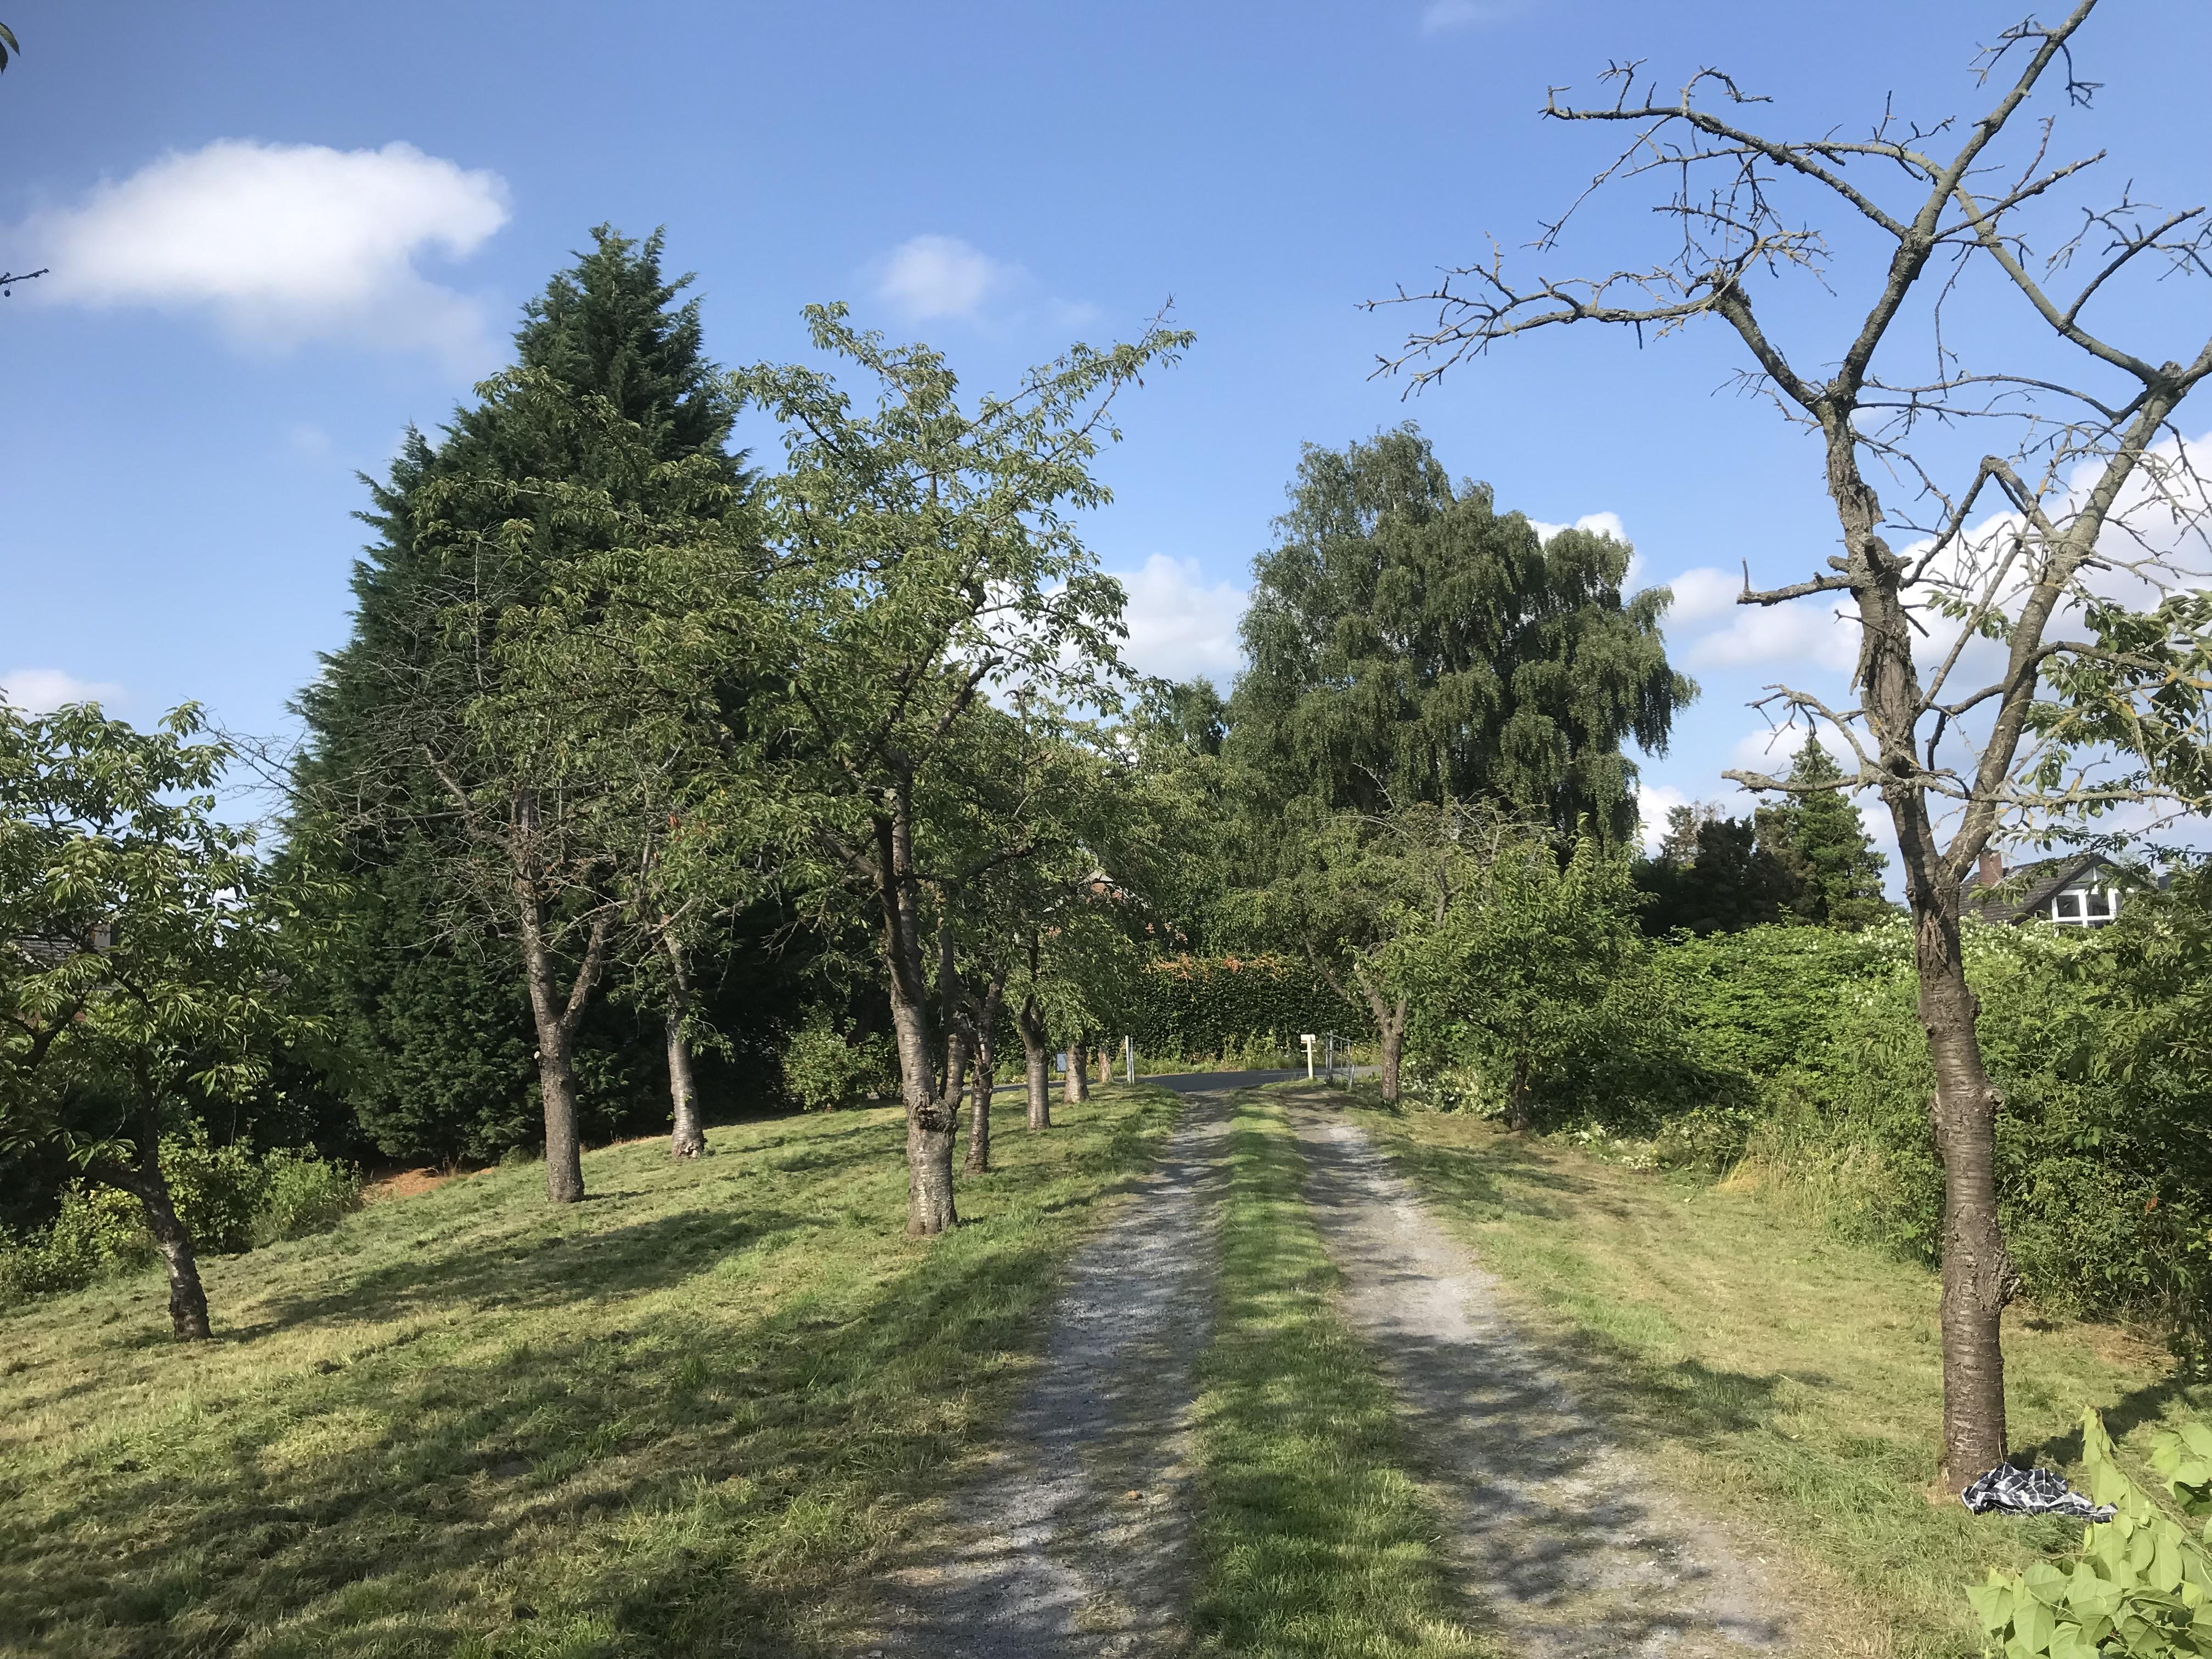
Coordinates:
column 1408, row 642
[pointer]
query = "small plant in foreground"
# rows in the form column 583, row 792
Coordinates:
column 2143, row 1585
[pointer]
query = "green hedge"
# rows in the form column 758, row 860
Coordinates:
column 1200, row 1006
column 1802, row 1050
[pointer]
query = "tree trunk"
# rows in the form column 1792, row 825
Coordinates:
column 1105, row 1067
column 1517, row 1117
column 987, row 1078
column 1392, row 1024
column 690, row 1138
column 1075, row 1087
column 1037, row 1061
column 932, row 1107
column 556, row 1021
column 188, row 1309
column 1389, row 1021
column 931, row 1120
column 979, row 1110
column 1979, row 1277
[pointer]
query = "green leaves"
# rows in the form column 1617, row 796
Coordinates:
column 2142, row 1587
column 2183, row 1461
column 145, row 952
column 1409, row 643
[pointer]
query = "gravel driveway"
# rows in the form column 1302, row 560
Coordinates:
column 1075, row 1539
column 1573, row 1555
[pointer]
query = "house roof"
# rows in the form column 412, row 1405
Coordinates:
column 2027, row 889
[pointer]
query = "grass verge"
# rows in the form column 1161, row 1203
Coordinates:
column 1314, row 1541
column 682, row 1418
column 1779, row 1374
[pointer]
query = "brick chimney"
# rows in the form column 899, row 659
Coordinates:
column 1991, row 869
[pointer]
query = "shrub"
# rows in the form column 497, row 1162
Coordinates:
column 823, row 1068
column 229, row 1200
column 2143, row 1586
column 303, row 1194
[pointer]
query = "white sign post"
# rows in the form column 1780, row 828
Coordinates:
column 1308, row 1039
column 1129, row 1059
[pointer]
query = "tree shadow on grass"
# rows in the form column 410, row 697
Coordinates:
column 681, row 1485
column 2130, row 1412
column 714, row 1476
column 524, row 1273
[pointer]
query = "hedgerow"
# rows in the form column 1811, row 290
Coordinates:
column 1201, row 1006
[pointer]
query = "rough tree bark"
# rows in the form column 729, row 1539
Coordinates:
column 1105, row 1065
column 689, row 1139
column 556, row 1019
column 145, row 1181
column 1036, row 1059
column 987, row 1076
column 1074, row 1086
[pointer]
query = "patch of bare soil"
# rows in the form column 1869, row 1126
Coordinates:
column 1075, row 1538
column 406, row 1184
column 1570, row 1549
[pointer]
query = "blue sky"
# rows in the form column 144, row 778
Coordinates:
column 281, row 233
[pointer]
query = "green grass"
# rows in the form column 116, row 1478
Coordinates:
column 1316, row 1542
column 683, row 1418
column 1775, row 1372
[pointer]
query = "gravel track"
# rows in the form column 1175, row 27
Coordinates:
column 1572, row 1555
column 1075, row 1538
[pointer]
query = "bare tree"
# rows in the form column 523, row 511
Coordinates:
column 2031, row 652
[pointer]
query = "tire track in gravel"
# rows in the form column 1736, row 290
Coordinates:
column 1573, row 1555
column 1075, row 1539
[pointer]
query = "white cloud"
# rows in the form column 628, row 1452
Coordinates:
column 1703, row 594
column 1808, row 635
column 42, row 691
column 1179, row 626
column 930, row 276
column 1605, row 524
column 284, row 243
column 1653, row 802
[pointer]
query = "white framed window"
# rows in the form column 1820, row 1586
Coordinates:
column 2068, row 906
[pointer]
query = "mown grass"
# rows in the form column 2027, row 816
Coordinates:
column 682, row 1418
column 1316, row 1541
column 1776, row 1373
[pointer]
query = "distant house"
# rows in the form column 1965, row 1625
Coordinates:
column 2081, row 889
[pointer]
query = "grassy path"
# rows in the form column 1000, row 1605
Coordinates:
column 1786, row 1379
column 683, row 1418
column 1572, row 1550
column 1315, row 1540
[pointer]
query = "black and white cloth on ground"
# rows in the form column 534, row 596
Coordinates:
column 2031, row 1491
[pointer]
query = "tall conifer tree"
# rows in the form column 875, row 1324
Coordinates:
column 440, row 1049
column 1819, row 838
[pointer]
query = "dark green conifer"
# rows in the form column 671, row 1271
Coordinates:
column 1820, row 840
column 436, row 1059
